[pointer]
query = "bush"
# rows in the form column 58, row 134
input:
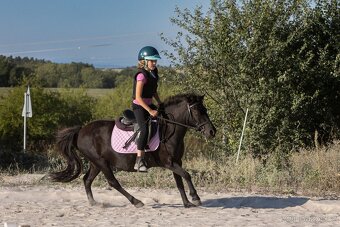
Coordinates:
column 113, row 104
column 279, row 59
column 51, row 111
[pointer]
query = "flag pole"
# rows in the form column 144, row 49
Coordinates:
column 26, row 112
column 25, row 119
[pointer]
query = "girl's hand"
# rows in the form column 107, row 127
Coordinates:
column 153, row 113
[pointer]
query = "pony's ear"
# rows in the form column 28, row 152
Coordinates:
column 189, row 99
column 194, row 98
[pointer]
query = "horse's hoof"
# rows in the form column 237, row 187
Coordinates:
column 105, row 205
column 93, row 203
column 139, row 204
column 197, row 202
column 188, row 205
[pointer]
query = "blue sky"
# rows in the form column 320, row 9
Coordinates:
column 105, row 33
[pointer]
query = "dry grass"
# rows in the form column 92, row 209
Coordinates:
column 317, row 171
column 309, row 172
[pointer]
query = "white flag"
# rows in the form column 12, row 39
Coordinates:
column 27, row 110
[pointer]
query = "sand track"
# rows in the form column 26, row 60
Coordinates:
column 58, row 205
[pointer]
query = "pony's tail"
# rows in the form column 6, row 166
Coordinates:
column 65, row 139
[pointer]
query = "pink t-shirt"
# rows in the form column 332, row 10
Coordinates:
column 141, row 77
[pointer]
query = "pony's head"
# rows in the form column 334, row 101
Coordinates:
column 195, row 113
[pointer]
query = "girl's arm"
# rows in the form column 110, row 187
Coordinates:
column 156, row 96
column 139, row 91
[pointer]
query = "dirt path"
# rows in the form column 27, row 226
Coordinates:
column 56, row 205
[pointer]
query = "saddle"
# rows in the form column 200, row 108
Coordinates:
column 128, row 124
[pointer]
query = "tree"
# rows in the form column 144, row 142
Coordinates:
column 278, row 58
column 4, row 71
column 47, row 75
column 112, row 105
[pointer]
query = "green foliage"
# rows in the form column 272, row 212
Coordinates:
column 79, row 104
column 113, row 104
column 4, row 71
column 14, row 70
column 280, row 59
column 51, row 111
column 17, row 71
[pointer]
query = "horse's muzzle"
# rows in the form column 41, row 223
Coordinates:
column 209, row 131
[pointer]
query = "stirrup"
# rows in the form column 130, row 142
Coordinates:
column 140, row 165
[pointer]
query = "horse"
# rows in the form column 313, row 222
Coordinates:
column 180, row 112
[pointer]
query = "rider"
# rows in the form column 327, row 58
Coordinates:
column 144, row 89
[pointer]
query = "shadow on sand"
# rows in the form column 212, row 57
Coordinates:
column 256, row 202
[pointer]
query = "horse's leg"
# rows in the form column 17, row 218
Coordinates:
column 181, row 190
column 179, row 172
column 106, row 169
column 88, row 179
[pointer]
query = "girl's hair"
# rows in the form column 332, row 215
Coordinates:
column 141, row 64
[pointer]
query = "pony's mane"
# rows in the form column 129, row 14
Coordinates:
column 173, row 100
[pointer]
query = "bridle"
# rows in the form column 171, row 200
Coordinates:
column 198, row 127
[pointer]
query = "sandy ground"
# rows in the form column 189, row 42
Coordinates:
column 63, row 205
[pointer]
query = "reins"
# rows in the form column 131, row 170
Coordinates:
column 198, row 126
column 176, row 123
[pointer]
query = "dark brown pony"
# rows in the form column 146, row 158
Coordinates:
column 93, row 141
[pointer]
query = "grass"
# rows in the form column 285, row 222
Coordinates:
column 93, row 92
column 4, row 91
column 308, row 172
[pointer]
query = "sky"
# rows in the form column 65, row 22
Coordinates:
column 104, row 33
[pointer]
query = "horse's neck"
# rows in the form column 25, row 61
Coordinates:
column 177, row 113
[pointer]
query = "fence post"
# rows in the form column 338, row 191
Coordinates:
column 239, row 147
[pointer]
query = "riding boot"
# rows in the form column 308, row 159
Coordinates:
column 140, row 165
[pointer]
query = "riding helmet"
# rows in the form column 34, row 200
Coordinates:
column 148, row 53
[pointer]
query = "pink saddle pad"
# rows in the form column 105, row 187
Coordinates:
column 119, row 138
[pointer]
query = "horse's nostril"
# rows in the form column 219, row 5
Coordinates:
column 212, row 132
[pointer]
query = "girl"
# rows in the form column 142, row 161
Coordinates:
column 144, row 90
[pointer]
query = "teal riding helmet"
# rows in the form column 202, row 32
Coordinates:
column 148, row 53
